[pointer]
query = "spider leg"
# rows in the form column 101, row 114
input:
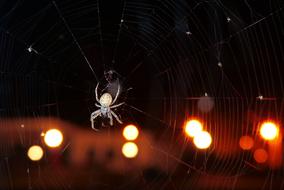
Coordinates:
column 117, row 105
column 94, row 115
column 116, row 117
column 96, row 92
column 111, row 119
column 116, row 96
column 99, row 106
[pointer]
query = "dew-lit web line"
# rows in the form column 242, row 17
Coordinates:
column 245, row 29
column 231, row 36
column 184, row 163
column 118, row 33
column 41, row 55
column 100, row 32
column 189, row 98
column 75, row 40
column 147, row 114
column 57, row 83
column 240, row 169
column 226, row 40
column 204, row 50
column 10, row 11
column 150, row 52
column 223, row 41
column 242, row 97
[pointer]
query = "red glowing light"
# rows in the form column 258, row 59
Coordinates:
column 246, row 142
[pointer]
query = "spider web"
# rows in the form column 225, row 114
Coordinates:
column 217, row 60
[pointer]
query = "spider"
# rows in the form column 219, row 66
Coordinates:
column 106, row 104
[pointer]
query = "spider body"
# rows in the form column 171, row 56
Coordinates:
column 106, row 104
column 104, row 111
column 105, row 100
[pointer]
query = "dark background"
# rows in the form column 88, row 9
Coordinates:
column 169, row 52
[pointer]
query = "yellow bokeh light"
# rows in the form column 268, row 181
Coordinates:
column 35, row 153
column 53, row 138
column 193, row 127
column 130, row 150
column 202, row 140
column 269, row 130
column 130, row 132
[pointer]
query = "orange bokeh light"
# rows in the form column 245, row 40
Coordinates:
column 193, row 127
column 35, row 153
column 53, row 138
column 269, row 130
column 246, row 142
column 260, row 155
column 202, row 140
column 130, row 132
column 129, row 150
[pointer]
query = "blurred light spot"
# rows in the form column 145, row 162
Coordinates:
column 220, row 64
column 260, row 155
column 30, row 49
column 260, row 97
column 130, row 132
column 188, row 33
column 269, row 130
column 130, row 150
column 35, row 153
column 53, row 138
column 202, row 140
column 246, row 142
column 205, row 104
column 192, row 127
column 42, row 134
